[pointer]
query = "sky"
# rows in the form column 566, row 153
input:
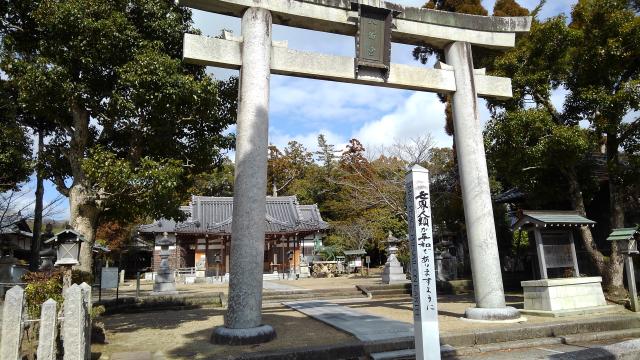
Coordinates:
column 301, row 109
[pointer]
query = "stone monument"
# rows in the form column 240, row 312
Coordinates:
column 46, row 256
column 392, row 272
column 304, row 268
column 165, row 282
column 374, row 25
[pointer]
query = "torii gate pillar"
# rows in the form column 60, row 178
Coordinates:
column 476, row 195
column 243, row 321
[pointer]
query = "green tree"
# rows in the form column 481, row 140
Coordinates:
column 326, row 153
column 107, row 77
column 509, row 8
column 446, row 197
column 473, row 7
column 15, row 145
column 217, row 182
column 482, row 57
column 596, row 58
column 285, row 167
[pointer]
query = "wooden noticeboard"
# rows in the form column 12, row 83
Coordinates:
column 555, row 249
column 109, row 278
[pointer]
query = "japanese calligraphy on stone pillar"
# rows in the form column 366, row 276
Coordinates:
column 423, row 279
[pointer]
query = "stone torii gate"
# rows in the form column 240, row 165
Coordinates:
column 374, row 24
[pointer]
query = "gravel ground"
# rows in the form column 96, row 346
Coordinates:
column 450, row 312
column 185, row 334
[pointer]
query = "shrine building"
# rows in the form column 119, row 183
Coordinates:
column 203, row 239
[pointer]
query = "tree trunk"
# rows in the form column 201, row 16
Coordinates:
column 84, row 219
column 609, row 270
column 616, row 267
column 83, row 208
column 37, row 216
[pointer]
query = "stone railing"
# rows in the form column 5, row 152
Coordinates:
column 74, row 325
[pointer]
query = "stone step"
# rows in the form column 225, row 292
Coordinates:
column 389, row 296
column 316, row 292
column 391, row 291
column 312, row 294
column 271, row 276
column 290, row 297
column 387, row 287
column 407, row 354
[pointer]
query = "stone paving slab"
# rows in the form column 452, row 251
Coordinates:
column 133, row 355
column 268, row 285
column 363, row 326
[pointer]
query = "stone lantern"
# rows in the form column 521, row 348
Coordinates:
column 165, row 282
column 627, row 239
column 67, row 244
column 392, row 272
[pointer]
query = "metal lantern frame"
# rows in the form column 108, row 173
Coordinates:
column 67, row 244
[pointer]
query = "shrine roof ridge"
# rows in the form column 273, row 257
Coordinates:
column 214, row 215
column 545, row 218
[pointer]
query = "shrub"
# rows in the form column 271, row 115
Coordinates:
column 79, row 276
column 40, row 287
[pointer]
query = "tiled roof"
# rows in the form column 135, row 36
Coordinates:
column 510, row 196
column 551, row 218
column 214, row 215
column 14, row 224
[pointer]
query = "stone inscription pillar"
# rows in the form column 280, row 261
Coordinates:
column 243, row 321
column 474, row 180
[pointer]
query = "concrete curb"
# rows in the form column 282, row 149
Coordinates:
column 534, row 331
column 626, row 350
column 518, row 344
column 617, row 334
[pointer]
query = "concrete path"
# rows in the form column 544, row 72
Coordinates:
column 268, row 285
column 364, row 326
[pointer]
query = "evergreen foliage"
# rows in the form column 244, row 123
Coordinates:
column 107, row 79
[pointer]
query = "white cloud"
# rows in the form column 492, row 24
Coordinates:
column 309, row 140
column 421, row 114
column 311, row 103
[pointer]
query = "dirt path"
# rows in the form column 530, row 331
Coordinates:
column 185, row 334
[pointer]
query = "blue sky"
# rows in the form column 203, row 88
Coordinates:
column 300, row 109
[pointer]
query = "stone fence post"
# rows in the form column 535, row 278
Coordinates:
column 74, row 326
column 48, row 331
column 12, row 324
column 86, row 298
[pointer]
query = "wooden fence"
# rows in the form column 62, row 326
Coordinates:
column 74, row 324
